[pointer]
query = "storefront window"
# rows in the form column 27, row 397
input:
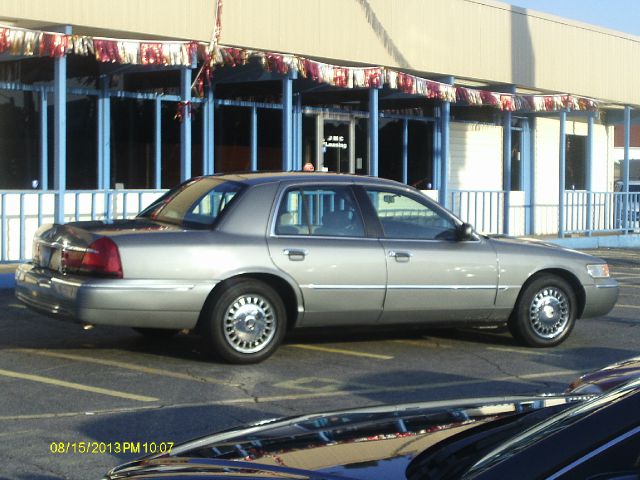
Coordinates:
column 132, row 142
column 19, row 139
column 232, row 139
column 420, row 155
column 82, row 127
column 575, row 177
column 269, row 139
column 390, row 149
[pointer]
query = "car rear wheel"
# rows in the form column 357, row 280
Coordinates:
column 245, row 322
column 545, row 313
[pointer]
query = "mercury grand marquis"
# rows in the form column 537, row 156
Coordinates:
column 244, row 258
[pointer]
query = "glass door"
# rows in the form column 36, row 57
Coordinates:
column 337, row 148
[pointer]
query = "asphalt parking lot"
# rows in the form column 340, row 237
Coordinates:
column 62, row 384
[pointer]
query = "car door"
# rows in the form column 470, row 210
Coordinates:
column 319, row 239
column 432, row 276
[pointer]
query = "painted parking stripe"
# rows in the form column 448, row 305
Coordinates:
column 637, row 307
column 76, row 386
column 342, row 351
column 404, row 388
column 629, row 285
column 303, row 396
column 525, row 351
column 422, row 343
column 126, row 366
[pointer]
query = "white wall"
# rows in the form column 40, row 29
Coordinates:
column 546, row 140
column 476, row 157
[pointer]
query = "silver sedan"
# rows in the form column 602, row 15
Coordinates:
column 244, row 258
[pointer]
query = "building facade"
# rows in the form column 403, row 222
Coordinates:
column 506, row 116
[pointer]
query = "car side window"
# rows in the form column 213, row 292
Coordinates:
column 319, row 211
column 403, row 217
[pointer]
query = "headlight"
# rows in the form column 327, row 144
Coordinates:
column 598, row 271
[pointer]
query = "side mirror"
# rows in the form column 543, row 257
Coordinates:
column 464, row 232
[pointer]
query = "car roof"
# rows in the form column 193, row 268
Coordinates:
column 256, row 178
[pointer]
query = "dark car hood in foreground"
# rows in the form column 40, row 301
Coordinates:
column 376, row 442
column 604, row 379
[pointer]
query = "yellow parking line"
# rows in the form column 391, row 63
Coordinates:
column 343, row 352
column 303, row 396
column 629, row 285
column 422, row 343
column 516, row 350
column 77, row 386
column 628, row 306
column 126, row 366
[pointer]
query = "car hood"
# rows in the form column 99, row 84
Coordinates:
column 508, row 243
column 606, row 378
column 376, row 442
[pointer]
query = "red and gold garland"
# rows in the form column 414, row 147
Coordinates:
column 23, row 42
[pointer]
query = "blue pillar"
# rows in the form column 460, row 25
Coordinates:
column 185, row 125
column 373, row 131
column 205, row 136
column 211, row 127
column 561, row 171
column 254, row 139
column 625, row 166
column 60, row 133
column 287, row 121
column 443, row 193
column 588, row 173
column 437, row 147
column 527, row 163
column 104, row 135
column 405, row 151
column 157, row 171
column 297, row 132
column 44, row 141
column 506, row 170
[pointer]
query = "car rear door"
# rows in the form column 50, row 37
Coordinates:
column 319, row 238
column 432, row 276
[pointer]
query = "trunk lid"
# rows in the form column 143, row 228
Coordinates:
column 56, row 247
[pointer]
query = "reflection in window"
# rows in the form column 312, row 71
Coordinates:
column 406, row 218
column 330, row 211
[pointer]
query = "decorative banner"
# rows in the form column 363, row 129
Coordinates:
column 23, row 42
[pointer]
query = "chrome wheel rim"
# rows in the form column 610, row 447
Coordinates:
column 249, row 323
column 549, row 312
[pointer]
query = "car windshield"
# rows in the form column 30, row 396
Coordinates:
column 551, row 425
column 194, row 204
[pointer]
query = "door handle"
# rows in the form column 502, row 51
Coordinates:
column 295, row 254
column 400, row 256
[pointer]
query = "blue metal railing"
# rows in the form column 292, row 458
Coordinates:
column 601, row 212
column 22, row 212
column 484, row 209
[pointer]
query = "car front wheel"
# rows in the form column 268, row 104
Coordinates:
column 246, row 322
column 545, row 313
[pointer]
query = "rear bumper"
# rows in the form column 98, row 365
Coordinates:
column 600, row 298
column 174, row 304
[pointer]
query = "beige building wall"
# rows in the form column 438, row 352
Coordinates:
column 470, row 39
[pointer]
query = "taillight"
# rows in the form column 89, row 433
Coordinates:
column 101, row 257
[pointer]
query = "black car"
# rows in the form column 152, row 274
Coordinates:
column 551, row 437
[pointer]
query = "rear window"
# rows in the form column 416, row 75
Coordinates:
column 194, row 204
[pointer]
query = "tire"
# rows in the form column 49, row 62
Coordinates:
column 245, row 322
column 545, row 313
column 156, row 333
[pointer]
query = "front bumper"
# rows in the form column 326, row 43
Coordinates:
column 600, row 298
column 174, row 304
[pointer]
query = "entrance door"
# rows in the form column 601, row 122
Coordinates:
column 338, row 154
